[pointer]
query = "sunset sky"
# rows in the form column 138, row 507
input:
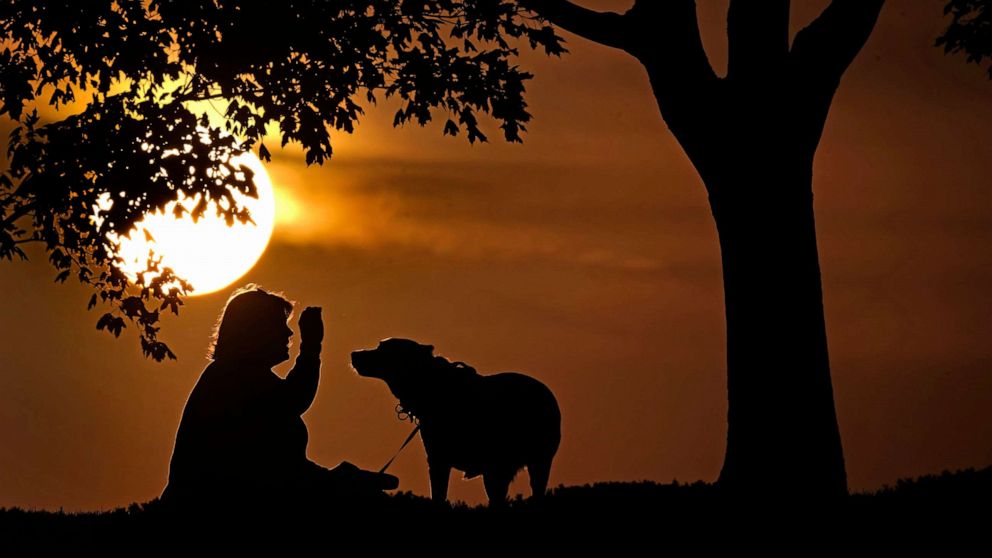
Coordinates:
column 586, row 257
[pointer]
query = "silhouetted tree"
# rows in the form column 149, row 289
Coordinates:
column 970, row 30
column 752, row 136
column 134, row 67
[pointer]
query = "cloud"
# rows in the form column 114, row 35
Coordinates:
column 587, row 215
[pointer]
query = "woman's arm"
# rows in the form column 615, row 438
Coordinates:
column 301, row 383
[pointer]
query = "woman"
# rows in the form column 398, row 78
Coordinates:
column 242, row 438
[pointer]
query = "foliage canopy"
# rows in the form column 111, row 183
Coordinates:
column 120, row 79
column 970, row 30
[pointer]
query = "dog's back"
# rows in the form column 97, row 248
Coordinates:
column 502, row 422
column 526, row 416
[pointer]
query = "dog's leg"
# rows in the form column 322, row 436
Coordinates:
column 439, row 481
column 539, row 472
column 497, row 486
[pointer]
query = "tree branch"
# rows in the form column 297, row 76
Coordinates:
column 826, row 47
column 665, row 38
column 605, row 28
column 757, row 36
column 17, row 213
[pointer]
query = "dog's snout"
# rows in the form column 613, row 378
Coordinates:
column 359, row 360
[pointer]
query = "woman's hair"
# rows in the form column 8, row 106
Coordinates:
column 248, row 310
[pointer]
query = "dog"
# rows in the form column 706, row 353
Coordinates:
column 488, row 425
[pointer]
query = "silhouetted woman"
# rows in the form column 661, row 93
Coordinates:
column 242, row 439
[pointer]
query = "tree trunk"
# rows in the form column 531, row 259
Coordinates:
column 752, row 136
column 753, row 141
column 782, row 425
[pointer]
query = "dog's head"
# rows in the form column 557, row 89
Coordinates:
column 395, row 361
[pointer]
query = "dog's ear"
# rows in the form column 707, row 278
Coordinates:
column 429, row 349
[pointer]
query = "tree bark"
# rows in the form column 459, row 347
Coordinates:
column 782, row 433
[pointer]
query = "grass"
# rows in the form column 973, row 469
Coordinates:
column 611, row 513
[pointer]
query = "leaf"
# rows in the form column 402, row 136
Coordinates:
column 104, row 320
column 132, row 306
column 450, row 128
column 111, row 323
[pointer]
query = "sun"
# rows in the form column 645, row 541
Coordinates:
column 208, row 253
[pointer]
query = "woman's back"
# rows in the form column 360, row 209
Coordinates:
column 237, row 436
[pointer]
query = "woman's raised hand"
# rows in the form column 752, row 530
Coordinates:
column 311, row 327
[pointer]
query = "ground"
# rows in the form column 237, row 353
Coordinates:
column 947, row 509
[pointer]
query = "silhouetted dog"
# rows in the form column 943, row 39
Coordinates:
column 483, row 425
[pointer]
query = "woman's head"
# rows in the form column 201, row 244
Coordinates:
column 253, row 326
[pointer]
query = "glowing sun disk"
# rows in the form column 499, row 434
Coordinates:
column 208, row 253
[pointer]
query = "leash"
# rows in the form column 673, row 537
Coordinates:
column 408, row 438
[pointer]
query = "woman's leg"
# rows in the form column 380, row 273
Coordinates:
column 347, row 479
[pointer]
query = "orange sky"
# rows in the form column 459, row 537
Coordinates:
column 586, row 257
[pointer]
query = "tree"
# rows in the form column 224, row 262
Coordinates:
column 752, row 136
column 137, row 66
